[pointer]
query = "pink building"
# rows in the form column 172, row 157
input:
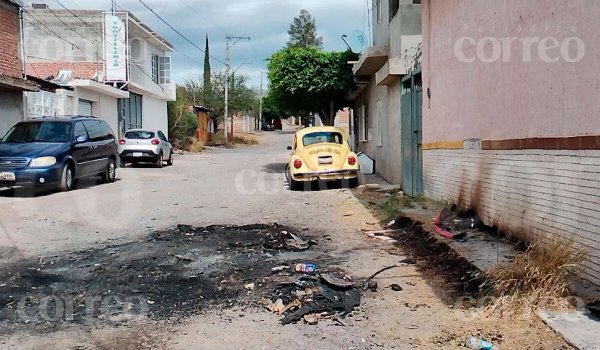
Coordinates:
column 510, row 95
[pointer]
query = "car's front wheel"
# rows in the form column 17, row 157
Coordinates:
column 66, row 179
column 110, row 174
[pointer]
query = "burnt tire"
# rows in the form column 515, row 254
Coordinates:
column 66, row 178
column 110, row 174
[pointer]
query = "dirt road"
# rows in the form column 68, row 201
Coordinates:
column 145, row 244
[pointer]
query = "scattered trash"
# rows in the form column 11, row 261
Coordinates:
column 311, row 319
column 396, row 287
column 308, row 269
column 336, row 282
column 594, row 308
column 278, row 307
column 372, row 285
column 479, row 344
column 286, row 240
column 391, row 223
column 408, row 261
column 280, row 268
column 150, row 302
column 369, row 280
column 250, row 286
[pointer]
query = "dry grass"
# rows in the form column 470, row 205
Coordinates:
column 239, row 138
column 195, row 147
column 391, row 208
column 540, row 276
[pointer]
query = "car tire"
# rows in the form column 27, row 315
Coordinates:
column 353, row 183
column 170, row 160
column 159, row 161
column 110, row 174
column 66, row 178
column 294, row 185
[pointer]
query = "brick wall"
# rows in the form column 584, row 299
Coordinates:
column 529, row 193
column 10, row 63
column 81, row 70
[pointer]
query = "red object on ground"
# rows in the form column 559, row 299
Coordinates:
column 436, row 226
column 442, row 232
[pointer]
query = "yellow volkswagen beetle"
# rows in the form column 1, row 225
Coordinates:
column 321, row 154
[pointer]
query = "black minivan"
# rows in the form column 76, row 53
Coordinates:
column 55, row 152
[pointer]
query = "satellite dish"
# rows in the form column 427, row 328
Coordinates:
column 358, row 41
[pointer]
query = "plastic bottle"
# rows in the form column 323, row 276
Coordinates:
column 479, row 344
column 306, row 268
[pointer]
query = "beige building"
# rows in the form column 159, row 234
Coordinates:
column 377, row 119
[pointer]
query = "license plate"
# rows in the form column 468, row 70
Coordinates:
column 138, row 154
column 325, row 160
column 6, row 176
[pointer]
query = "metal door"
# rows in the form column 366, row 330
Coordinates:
column 411, row 134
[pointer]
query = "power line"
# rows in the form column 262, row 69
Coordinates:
column 65, row 24
column 178, row 32
column 49, row 30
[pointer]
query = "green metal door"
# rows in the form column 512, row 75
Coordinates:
column 411, row 135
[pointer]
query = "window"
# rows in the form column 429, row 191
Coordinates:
column 164, row 70
column 79, row 130
column 98, row 130
column 130, row 112
column 162, row 136
column 51, row 132
column 322, row 137
column 139, row 135
column 155, row 69
column 394, row 6
column 363, row 123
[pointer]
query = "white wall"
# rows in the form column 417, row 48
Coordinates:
column 528, row 193
column 154, row 114
column 103, row 107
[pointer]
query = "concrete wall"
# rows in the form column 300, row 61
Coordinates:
column 103, row 107
column 508, row 97
column 154, row 114
column 11, row 109
column 514, row 99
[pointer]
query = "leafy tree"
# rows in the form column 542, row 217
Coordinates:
column 310, row 80
column 182, row 122
column 271, row 110
column 303, row 32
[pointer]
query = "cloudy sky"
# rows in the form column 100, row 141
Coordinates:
column 265, row 21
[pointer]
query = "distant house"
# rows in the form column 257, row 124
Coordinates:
column 117, row 67
column 510, row 116
column 12, row 79
column 382, row 116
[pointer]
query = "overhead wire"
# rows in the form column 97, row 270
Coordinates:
column 178, row 32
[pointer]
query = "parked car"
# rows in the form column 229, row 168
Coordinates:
column 143, row 145
column 321, row 154
column 277, row 125
column 56, row 152
column 267, row 127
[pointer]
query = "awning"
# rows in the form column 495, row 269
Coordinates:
column 18, row 84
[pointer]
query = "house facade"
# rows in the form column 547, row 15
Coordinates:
column 118, row 68
column 504, row 131
column 12, row 78
column 376, row 126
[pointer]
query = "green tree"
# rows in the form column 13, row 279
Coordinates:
column 182, row 122
column 303, row 32
column 206, row 76
column 310, row 80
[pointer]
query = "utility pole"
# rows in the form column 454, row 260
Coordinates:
column 261, row 102
column 230, row 42
column 114, row 6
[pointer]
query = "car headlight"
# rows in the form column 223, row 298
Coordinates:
column 42, row 162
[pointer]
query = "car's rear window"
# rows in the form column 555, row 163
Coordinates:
column 139, row 135
column 322, row 137
column 42, row 131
